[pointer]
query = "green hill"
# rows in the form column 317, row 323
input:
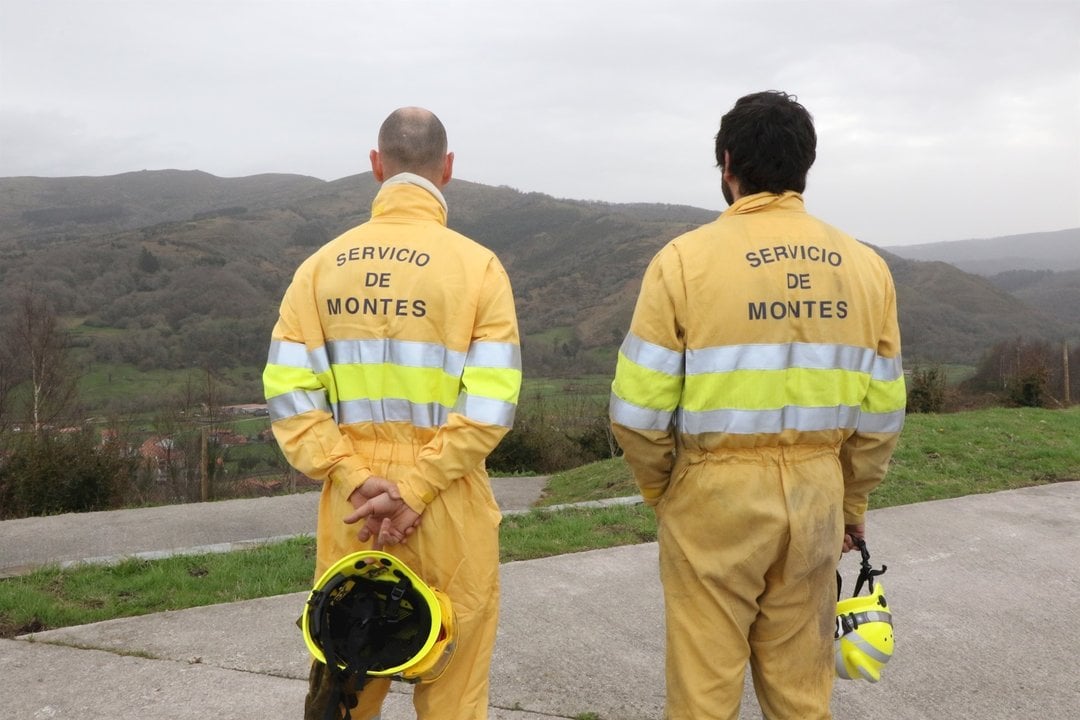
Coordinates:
column 171, row 269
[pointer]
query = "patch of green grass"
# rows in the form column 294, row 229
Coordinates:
column 560, row 390
column 115, row 387
column 595, row 481
column 951, row 455
column 542, row 533
column 52, row 597
column 939, row 456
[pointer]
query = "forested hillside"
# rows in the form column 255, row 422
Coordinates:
column 178, row 269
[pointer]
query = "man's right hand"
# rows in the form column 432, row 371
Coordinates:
column 851, row 532
column 387, row 518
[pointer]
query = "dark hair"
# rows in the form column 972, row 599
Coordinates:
column 413, row 139
column 771, row 142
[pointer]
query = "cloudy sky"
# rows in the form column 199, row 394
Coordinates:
column 937, row 120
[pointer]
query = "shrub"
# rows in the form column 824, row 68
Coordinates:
column 50, row 473
column 554, row 434
column 1029, row 389
column 927, row 391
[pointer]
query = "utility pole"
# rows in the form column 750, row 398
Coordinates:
column 1065, row 372
column 204, row 471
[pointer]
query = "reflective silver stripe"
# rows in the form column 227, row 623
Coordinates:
column 494, row 355
column 426, row 415
column 781, row 356
column 296, row 402
column 889, row 422
column 857, row 640
column 396, row 352
column 283, row 352
column 651, row 356
column 637, row 417
column 869, row 616
column 320, row 360
column 296, row 355
column 486, row 410
column 752, row 422
column 888, row 369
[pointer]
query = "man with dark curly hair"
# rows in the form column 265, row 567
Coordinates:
column 758, row 397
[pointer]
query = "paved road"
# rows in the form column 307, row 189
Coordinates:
column 192, row 528
column 985, row 590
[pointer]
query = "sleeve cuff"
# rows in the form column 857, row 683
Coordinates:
column 416, row 493
column 854, row 513
column 345, row 479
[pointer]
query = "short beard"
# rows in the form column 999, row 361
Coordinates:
column 725, row 188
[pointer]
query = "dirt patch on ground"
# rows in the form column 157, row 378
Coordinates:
column 9, row 630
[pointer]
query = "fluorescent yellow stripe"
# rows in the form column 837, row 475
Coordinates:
column 378, row 381
column 885, row 396
column 638, row 385
column 281, row 379
column 765, row 389
column 493, row 383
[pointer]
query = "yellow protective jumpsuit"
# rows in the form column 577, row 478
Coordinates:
column 758, row 397
column 396, row 354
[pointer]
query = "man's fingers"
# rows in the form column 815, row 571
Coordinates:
column 376, row 485
column 358, row 514
column 365, row 532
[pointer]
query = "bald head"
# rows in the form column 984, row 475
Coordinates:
column 413, row 140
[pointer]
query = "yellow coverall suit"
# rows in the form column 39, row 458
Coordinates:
column 396, row 354
column 758, row 397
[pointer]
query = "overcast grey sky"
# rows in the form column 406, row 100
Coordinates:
column 937, row 120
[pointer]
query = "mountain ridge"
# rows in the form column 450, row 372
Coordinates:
column 1057, row 250
column 184, row 268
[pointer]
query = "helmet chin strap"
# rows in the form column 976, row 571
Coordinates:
column 370, row 622
column 866, row 572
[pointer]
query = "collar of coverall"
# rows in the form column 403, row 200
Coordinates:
column 407, row 178
column 789, row 200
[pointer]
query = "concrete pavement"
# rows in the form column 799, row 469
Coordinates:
column 984, row 590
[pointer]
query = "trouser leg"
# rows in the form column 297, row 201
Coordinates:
column 461, row 693
column 721, row 527
column 792, row 638
column 471, row 580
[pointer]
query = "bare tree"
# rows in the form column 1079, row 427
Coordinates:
column 38, row 342
column 8, row 381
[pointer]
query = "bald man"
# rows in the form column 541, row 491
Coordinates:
column 394, row 370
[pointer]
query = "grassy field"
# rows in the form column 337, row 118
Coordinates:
column 939, row 456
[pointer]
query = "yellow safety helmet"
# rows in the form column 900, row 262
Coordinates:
column 864, row 632
column 371, row 615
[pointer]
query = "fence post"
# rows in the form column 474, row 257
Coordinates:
column 1065, row 372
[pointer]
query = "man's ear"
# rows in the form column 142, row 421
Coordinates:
column 377, row 166
column 448, row 168
column 727, row 166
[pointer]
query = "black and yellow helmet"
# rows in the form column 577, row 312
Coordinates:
column 864, row 640
column 370, row 615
